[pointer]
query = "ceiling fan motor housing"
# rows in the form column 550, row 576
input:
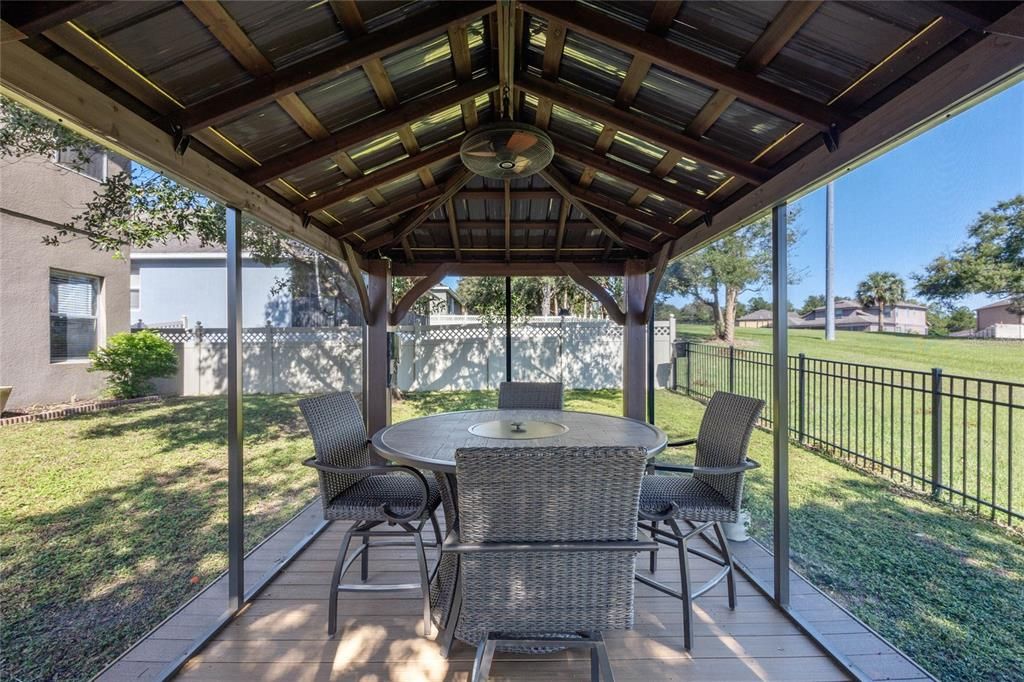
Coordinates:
column 506, row 150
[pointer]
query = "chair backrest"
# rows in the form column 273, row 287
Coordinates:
column 722, row 441
column 530, row 395
column 547, row 495
column 339, row 439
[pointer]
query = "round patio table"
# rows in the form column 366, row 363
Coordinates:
column 429, row 443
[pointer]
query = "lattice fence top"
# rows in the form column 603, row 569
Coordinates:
column 277, row 335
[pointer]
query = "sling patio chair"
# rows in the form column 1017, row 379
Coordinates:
column 710, row 496
column 547, row 543
column 352, row 488
column 530, row 395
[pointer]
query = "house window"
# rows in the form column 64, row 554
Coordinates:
column 91, row 163
column 73, row 320
column 135, row 288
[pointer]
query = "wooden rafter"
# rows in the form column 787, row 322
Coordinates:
column 479, row 268
column 507, row 213
column 498, row 225
column 329, row 63
column 382, row 176
column 453, row 229
column 606, row 300
column 368, row 129
column 691, row 64
column 554, row 45
column 458, row 41
column 622, row 210
column 30, row 18
column 351, row 19
column 421, row 287
column 506, row 42
column 642, row 127
column 364, row 221
column 563, row 215
column 455, row 183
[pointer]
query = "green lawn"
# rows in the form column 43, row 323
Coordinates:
column 110, row 520
column 985, row 358
column 107, row 517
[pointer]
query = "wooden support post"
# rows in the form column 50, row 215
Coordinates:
column 634, row 342
column 236, row 516
column 780, row 404
column 376, row 392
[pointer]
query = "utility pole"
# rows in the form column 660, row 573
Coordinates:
column 830, row 262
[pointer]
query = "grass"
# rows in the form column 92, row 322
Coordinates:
column 106, row 518
column 988, row 359
column 110, row 520
column 943, row 586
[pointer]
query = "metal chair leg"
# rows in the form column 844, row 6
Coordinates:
column 684, row 589
column 364, row 560
column 602, row 658
column 484, row 658
column 332, row 600
column 727, row 556
column 654, row 553
column 595, row 665
column 454, row 611
column 421, row 557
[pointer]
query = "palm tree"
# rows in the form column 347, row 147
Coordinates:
column 881, row 289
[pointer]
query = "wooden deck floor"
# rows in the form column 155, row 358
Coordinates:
column 282, row 636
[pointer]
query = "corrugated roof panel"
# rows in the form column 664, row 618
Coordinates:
column 635, row 13
column 479, row 56
column 421, row 69
column 286, row 32
column 722, row 30
column 266, row 132
column 379, row 152
column 342, row 101
column 744, row 130
column 567, row 122
column 593, row 67
column 696, row 176
column 666, row 208
column 612, row 187
column 379, row 14
column 669, row 99
column 168, row 45
column 317, row 177
column 401, row 188
column 438, row 126
column 635, row 151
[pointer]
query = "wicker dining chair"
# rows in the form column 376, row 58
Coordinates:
column 530, row 395
column 352, row 488
column 706, row 499
column 546, row 545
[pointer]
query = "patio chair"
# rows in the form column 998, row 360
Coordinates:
column 704, row 500
column 369, row 495
column 530, row 395
column 546, row 546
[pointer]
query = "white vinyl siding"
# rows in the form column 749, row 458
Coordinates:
column 73, row 315
column 135, row 288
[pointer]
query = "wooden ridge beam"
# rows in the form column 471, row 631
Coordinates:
column 567, row 149
column 32, row 17
column 45, row 87
column 421, row 287
column 327, row 64
column 368, row 129
column 690, row 64
column 499, row 225
column 643, row 128
column 487, row 268
column 454, row 184
column 381, row 176
column 606, row 300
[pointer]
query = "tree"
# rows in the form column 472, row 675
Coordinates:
column 960, row 318
column 132, row 360
column 718, row 274
column 811, row 303
column 140, row 208
column 485, row 296
column 990, row 261
column 881, row 289
column 758, row 303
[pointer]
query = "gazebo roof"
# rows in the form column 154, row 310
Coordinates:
column 671, row 121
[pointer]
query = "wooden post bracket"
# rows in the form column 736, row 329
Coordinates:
column 599, row 292
column 421, row 287
column 352, row 260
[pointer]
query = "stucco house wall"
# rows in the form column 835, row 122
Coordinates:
column 35, row 196
column 997, row 313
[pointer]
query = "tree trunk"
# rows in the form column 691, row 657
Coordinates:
column 881, row 317
column 729, row 318
column 716, row 310
column 545, row 305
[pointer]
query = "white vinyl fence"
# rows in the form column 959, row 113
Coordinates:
column 426, row 357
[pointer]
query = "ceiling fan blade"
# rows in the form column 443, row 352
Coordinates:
column 520, row 141
column 522, row 163
column 484, row 145
column 483, row 154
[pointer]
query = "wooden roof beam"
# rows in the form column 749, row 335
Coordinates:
column 366, row 130
column 32, row 17
column 364, row 221
column 563, row 215
column 691, row 64
column 628, row 212
column 453, row 229
column 644, row 128
column 481, row 268
column 330, row 63
column 458, row 42
column 454, row 184
column 381, row 176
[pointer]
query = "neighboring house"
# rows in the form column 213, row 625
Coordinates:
column 763, row 318
column 184, row 281
column 56, row 302
column 903, row 317
column 444, row 301
column 996, row 313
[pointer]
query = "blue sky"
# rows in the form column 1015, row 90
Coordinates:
column 915, row 202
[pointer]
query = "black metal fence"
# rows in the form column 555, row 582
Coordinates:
column 959, row 438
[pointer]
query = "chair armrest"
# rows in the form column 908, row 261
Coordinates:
column 454, row 546
column 681, row 443
column 380, row 469
column 746, row 465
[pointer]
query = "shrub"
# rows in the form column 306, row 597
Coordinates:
column 132, row 359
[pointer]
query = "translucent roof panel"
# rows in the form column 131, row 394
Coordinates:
column 438, row 126
column 342, row 101
column 266, row 132
column 722, row 31
column 317, row 177
column 283, row 34
column 593, row 67
column 744, row 130
column 570, row 124
column 635, row 151
column 669, row 99
column 378, row 152
column 421, row 69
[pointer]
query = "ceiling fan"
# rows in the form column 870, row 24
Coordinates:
column 507, row 149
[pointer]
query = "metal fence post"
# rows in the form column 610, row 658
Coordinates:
column 732, row 369
column 801, row 398
column 937, row 431
column 689, row 365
